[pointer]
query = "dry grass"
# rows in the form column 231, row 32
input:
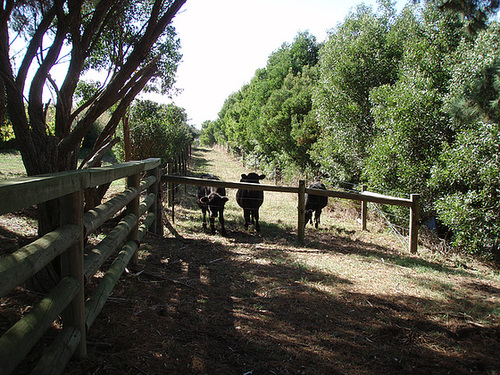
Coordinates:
column 344, row 302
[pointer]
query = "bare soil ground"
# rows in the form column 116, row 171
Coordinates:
column 344, row 302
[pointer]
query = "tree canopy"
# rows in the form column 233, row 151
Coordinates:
column 158, row 130
column 131, row 43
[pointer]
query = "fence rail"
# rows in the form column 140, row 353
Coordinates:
column 66, row 242
column 301, row 190
column 67, row 298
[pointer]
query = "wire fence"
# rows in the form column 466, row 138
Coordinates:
column 399, row 231
column 399, row 225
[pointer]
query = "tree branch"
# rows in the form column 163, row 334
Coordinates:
column 35, row 42
column 114, row 90
column 6, row 11
column 85, row 105
column 15, row 100
column 96, row 158
column 35, row 108
column 124, row 104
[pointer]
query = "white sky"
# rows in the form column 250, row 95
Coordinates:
column 224, row 42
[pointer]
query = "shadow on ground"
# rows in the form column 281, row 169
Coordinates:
column 204, row 307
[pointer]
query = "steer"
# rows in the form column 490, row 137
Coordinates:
column 250, row 200
column 212, row 199
column 315, row 203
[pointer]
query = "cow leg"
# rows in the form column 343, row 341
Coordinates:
column 308, row 217
column 316, row 218
column 204, row 218
column 256, row 217
column 221, row 221
column 212, row 225
column 246, row 214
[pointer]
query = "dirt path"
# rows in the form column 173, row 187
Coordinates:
column 345, row 302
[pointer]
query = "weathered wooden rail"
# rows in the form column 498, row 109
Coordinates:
column 301, row 190
column 68, row 298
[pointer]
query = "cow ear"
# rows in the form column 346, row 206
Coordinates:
column 204, row 200
column 262, row 176
column 224, row 199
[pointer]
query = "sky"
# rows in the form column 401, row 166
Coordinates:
column 224, row 42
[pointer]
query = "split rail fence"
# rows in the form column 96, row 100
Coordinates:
column 68, row 299
column 364, row 197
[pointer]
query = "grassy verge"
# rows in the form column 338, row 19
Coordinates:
column 11, row 164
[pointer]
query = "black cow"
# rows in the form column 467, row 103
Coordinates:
column 250, row 200
column 315, row 203
column 212, row 199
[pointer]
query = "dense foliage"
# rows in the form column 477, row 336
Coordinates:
column 158, row 131
column 408, row 115
column 404, row 102
column 358, row 57
column 467, row 174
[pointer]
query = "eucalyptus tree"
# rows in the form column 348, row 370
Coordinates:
column 129, row 40
column 131, row 44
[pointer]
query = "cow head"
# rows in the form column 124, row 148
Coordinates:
column 252, row 177
column 215, row 203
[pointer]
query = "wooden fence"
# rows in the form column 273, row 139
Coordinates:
column 68, row 298
column 301, row 190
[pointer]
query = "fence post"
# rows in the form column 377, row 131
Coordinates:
column 72, row 265
column 157, row 227
column 170, row 186
column 185, row 157
column 172, row 191
column 414, row 213
column 134, row 181
column 364, row 209
column 302, row 210
column 159, row 202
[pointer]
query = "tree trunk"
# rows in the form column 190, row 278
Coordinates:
column 3, row 104
column 126, row 138
column 94, row 196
